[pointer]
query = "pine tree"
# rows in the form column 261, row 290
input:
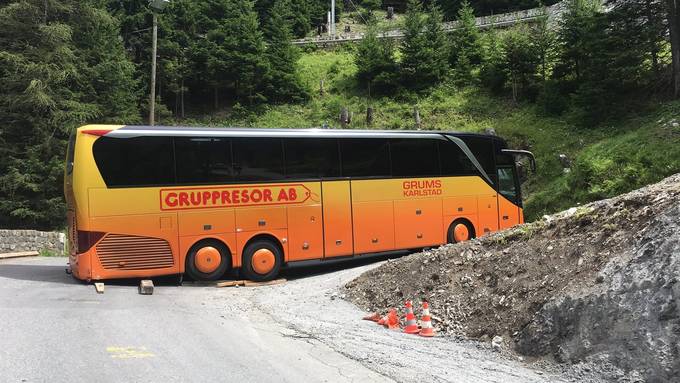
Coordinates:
column 103, row 60
column 246, row 48
column 544, row 40
column 614, row 65
column 437, row 48
column 492, row 72
column 412, row 46
column 424, row 49
column 576, row 26
column 176, row 46
column 234, row 51
column 53, row 79
column 466, row 48
column 282, row 82
column 377, row 68
column 300, row 22
column 520, row 59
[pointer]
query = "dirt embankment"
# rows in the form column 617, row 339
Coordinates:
column 594, row 283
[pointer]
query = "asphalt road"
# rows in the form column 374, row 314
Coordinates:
column 55, row 329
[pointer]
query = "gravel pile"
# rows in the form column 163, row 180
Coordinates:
column 593, row 283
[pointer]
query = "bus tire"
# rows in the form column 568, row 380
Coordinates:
column 262, row 260
column 201, row 261
column 460, row 230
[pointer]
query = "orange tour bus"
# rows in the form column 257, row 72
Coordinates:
column 148, row 201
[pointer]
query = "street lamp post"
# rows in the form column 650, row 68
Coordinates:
column 333, row 19
column 156, row 7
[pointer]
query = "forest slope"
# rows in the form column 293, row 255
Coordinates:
column 606, row 160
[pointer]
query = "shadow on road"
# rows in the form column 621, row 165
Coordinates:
column 306, row 269
column 296, row 270
column 38, row 273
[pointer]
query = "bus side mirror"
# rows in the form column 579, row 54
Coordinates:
column 523, row 153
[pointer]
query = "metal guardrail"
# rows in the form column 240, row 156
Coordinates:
column 484, row 22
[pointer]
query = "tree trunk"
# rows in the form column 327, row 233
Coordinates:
column 215, row 94
column 653, row 49
column 344, row 117
column 416, row 118
column 674, row 27
column 544, row 69
column 369, row 116
column 182, row 99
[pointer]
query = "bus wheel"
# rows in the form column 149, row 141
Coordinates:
column 208, row 260
column 460, row 230
column 262, row 260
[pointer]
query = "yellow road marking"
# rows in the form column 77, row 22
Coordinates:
column 129, row 352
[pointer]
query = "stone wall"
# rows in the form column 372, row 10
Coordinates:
column 12, row 241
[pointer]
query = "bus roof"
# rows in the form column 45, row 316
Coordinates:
column 140, row 130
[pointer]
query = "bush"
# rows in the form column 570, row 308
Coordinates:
column 551, row 99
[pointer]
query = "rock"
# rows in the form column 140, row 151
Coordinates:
column 497, row 343
column 565, row 161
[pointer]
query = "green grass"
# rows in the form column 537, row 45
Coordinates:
column 49, row 253
column 607, row 160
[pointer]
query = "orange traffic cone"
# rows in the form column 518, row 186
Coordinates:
column 411, row 325
column 426, row 322
column 375, row 317
column 392, row 320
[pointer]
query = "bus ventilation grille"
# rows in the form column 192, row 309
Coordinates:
column 129, row 252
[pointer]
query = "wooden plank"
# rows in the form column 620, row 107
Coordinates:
column 230, row 283
column 19, row 254
column 246, row 283
column 268, row 283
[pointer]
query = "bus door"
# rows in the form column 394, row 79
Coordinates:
column 508, row 197
column 337, row 218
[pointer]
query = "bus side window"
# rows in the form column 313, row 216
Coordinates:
column 311, row 158
column 203, row 160
column 365, row 157
column 138, row 161
column 455, row 162
column 414, row 157
column 482, row 148
column 258, row 159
